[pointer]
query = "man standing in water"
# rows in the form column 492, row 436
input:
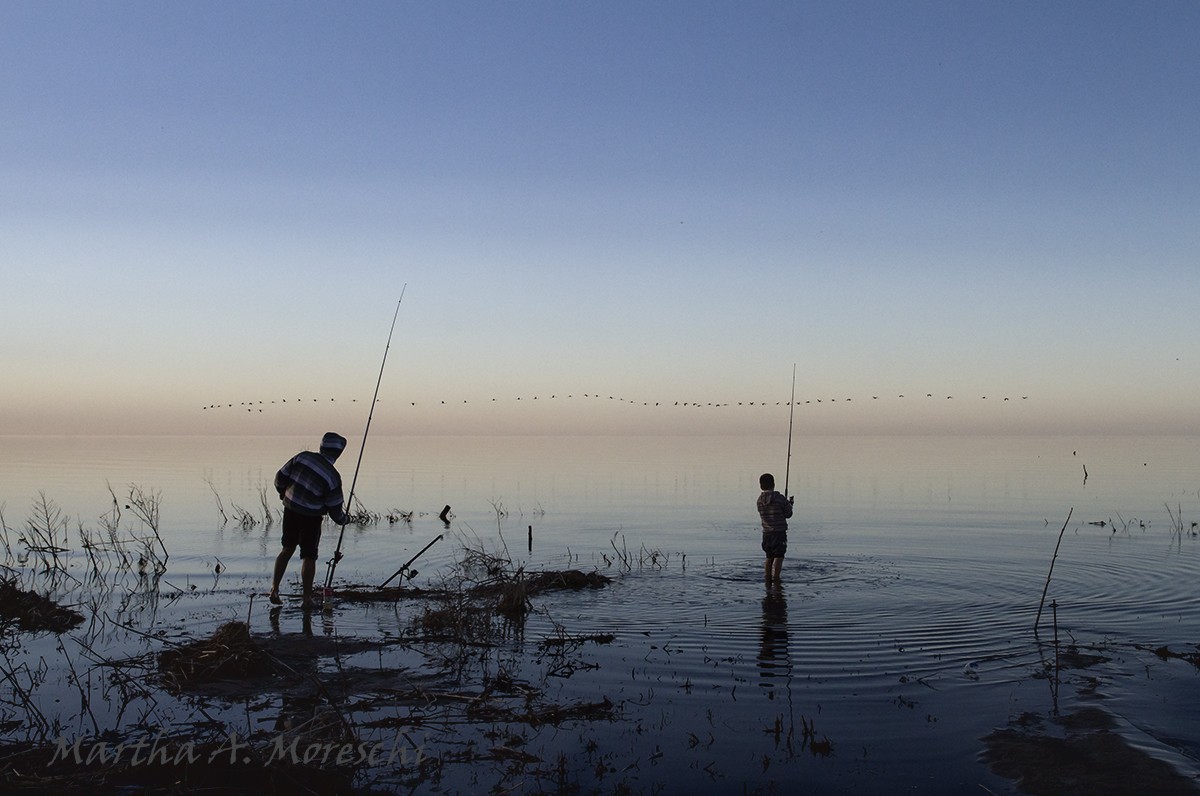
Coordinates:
column 774, row 509
column 309, row 487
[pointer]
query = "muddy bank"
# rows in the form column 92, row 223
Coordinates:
column 32, row 613
column 533, row 583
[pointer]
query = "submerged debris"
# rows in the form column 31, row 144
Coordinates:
column 567, row 579
column 229, row 653
column 533, row 583
column 1167, row 654
column 1090, row 758
column 32, row 612
column 1072, row 658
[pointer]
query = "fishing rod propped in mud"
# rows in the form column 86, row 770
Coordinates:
column 337, row 554
column 791, row 412
column 408, row 563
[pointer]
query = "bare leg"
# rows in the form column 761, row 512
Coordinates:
column 767, row 570
column 281, row 562
column 777, row 568
column 308, row 570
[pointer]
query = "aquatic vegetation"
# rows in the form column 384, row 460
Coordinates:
column 217, row 496
column 1167, row 654
column 1084, row 754
column 1178, row 528
column 394, row 516
column 4, row 535
column 230, row 653
column 318, row 739
column 644, row 558
column 42, row 530
column 146, row 506
column 629, row 673
column 242, row 518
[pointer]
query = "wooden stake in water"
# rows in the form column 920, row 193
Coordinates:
column 791, row 412
column 337, row 554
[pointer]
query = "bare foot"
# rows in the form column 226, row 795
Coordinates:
column 274, row 598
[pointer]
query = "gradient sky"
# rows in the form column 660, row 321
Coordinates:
column 218, row 202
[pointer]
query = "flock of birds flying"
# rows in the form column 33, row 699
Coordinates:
column 259, row 406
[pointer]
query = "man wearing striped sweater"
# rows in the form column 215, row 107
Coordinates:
column 774, row 509
column 310, row 488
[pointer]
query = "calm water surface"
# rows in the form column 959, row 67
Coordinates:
column 902, row 635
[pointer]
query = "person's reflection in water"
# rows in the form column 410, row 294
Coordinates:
column 774, row 661
column 306, row 625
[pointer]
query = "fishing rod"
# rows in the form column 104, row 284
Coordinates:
column 337, row 554
column 409, row 561
column 791, row 412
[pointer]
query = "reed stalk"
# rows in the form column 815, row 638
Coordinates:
column 4, row 535
column 146, row 506
column 220, row 505
column 268, row 514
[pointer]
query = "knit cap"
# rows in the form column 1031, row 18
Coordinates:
column 333, row 443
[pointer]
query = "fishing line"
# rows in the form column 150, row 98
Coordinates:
column 337, row 554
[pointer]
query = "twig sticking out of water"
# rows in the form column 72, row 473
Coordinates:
column 243, row 518
column 220, row 505
column 268, row 514
column 1176, row 519
column 4, row 535
column 146, row 506
column 43, row 527
column 823, row 747
column 360, row 515
column 400, row 515
column 1051, row 572
column 622, row 552
column 35, row 720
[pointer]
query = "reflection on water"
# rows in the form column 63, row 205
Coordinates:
column 303, row 617
column 774, row 660
column 903, row 628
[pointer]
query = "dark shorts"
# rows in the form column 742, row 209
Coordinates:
column 774, row 543
column 303, row 530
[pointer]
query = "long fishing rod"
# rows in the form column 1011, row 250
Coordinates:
column 409, row 562
column 791, row 412
column 337, row 555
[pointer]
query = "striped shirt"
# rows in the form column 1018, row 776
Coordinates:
column 309, row 484
column 774, row 509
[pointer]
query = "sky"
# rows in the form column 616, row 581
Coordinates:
column 666, row 207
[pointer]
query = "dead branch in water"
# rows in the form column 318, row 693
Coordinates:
column 243, row 518
column 42, row 528
column 220, row 505
column 1051, row 572
column 146, row 505
column 4, row 535
column 268, row 513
